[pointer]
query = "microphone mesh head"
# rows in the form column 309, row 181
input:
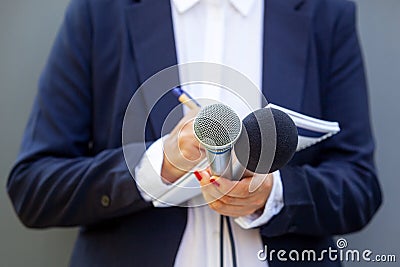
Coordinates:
column 268, row 141
column 217, row 125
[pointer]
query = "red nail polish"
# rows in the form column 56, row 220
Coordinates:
column 212, row 180
column 198, row 176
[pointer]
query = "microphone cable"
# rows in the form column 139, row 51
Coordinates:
column 231, row 241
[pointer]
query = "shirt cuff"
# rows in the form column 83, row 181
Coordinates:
column 272, row 207
column 148, row 172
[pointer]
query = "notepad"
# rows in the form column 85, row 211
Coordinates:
column 310, row 132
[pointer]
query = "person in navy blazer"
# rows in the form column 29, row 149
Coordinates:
column 71, row 169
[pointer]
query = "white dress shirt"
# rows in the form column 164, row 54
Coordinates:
column 228, row 32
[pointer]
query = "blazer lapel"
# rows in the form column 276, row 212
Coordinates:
column 152, row 39
column 286, row 39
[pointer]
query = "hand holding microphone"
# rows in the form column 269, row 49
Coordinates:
column 182, row 151
column 266, row 140
column 266, row 143
column 233, row 198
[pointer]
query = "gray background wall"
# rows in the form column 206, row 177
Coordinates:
column 27, row 29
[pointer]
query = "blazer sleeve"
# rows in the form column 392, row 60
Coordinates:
column 56, row 180
column 340, row 193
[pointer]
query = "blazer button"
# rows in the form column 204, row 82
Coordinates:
column 105, row 201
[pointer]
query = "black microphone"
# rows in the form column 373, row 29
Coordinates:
column 267, row 142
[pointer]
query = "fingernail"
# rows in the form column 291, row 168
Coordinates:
column 198, row 176
column 212, row 180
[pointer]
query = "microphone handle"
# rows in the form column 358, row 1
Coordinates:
column 237, row 170
column 220, row 163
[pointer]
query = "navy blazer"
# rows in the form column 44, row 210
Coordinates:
column 71, row 170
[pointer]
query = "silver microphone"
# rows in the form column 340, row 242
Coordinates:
column 217, row 127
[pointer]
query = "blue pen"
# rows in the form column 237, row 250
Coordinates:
column 185, row 98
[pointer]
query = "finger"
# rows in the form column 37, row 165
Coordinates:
column 214, row 194
column 202, row 176
column 208, row 186
column 189, row 150
column 188, row 141
column 219, row 186
column 211, row 187
column 226, row 205
column 236, row 189
column 235, row 201
column 187, row 119
column 256, row 200
column 230, row 210
column 244, row 188
column 256, row 182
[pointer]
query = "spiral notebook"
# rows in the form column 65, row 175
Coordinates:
column 310, row 132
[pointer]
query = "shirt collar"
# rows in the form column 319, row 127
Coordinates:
column 184, row 5
column 243, row 6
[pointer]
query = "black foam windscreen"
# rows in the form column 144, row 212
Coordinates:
column 268, row 140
